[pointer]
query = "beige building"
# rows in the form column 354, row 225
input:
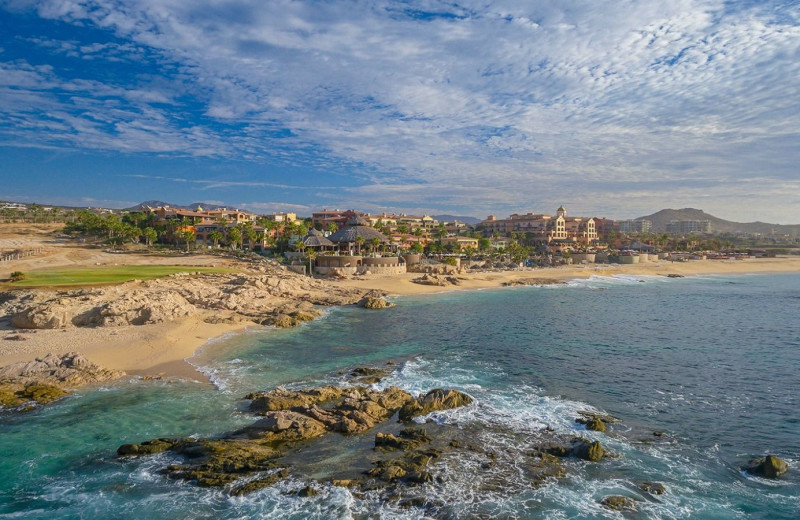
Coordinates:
column 544, row 229
column 461, row 243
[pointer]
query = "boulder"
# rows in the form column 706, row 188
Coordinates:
column 433, row 401
column 767, row 467
column 282, row 399
column 370, row 302
column 654, row 488
column 579, row 448
column 619, row 503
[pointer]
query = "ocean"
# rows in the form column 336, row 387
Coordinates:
column 709, row 363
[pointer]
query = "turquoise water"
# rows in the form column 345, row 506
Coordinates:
column 712, row 361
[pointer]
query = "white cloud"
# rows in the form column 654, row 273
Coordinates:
column 525, row 103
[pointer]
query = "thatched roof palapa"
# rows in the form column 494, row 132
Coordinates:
column 357, row 227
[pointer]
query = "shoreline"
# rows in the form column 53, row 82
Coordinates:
column 473, row 280
column 163, row 350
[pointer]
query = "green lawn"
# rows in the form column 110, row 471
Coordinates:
column 105, row 275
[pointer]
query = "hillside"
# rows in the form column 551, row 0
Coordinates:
column 661, row 218
column 450, row 218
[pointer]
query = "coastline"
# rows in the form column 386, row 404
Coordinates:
column 158, row 350
column 162, row 349
column 402, row 284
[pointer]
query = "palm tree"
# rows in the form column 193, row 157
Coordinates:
column 359, row 243
column 375, row 242
column 216, row 237
column 234, row 237
column 188, row 238
column 150, row 236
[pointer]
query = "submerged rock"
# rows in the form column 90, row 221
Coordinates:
column 768, row 467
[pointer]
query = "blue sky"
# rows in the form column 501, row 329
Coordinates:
column 612, row 108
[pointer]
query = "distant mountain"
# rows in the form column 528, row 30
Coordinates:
column 157, row 203
column 662, row 218
column 449, row 218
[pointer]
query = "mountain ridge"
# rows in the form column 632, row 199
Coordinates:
column 661, row 218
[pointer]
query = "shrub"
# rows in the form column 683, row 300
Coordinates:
column 16, row 276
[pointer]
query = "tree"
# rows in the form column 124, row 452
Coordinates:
column 484, row 244
column 234, row 237
column 402, row 228
column 359, row 243
column 150, row 235
column 375, row 242
column 250, row 234
column 332, row 227
column 216, row 237
column 469, row 252
column 188, row 238
column 417, row 248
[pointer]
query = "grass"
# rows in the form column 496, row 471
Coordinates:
column 105, row 275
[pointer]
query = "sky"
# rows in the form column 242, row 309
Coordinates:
column 612, row 108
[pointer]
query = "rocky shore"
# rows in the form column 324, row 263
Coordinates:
column 27, row 384
column 267, row 295
column 399, row 454
column 278, row 298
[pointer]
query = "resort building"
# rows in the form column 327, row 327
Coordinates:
column 684, row 227
column 639, row 225
column 281, row 217
column 321, row 219
column 544, row 229
column 461, row 243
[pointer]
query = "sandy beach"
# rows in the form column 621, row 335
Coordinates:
column 160, row 349
column 402, row 284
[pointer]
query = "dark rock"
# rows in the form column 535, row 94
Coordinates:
column 579, row 448
column 148, row 447
column 619, row 503
column 307, row 491
column 768, row 467
column 261, row 483
column 407, row 440
column 654, row 488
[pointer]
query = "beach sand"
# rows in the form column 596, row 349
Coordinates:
column 160, row 350
column 402, row 284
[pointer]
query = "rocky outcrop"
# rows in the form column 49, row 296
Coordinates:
column 578, row 448
column 278, row 298
column 371, row 302
column 25, row 384
column 619, row 503
column 595, row 421
column 282, row 399
column 654, row 488
column 532, row 281
column 291, row 417
column 433, row 401
column 767, row 467
column 68, row 370
column 437, row 279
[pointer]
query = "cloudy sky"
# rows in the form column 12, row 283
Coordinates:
column 613, row 108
